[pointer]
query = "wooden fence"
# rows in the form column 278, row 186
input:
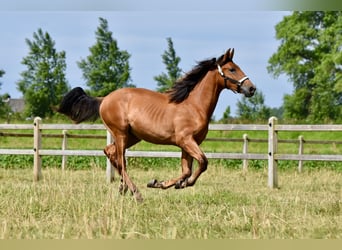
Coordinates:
column 272, row 156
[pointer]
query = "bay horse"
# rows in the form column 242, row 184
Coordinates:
column 177, row 117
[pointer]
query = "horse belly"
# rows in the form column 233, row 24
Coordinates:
column 154, row 127
column 153, row 136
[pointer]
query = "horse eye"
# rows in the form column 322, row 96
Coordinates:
column 232, row 70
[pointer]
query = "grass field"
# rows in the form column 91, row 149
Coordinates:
column 225, row 203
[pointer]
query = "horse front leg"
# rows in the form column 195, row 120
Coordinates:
column 186, row 162
column 202, row 167
column 194, row 151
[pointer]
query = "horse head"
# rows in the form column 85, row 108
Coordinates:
column 233, row 77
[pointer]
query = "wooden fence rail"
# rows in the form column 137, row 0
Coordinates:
column 272, row 128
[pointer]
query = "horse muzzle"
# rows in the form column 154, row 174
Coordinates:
column 247, row 88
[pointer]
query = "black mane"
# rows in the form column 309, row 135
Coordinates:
column 182, row 87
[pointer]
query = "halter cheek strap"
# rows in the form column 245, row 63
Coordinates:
column 226, row 78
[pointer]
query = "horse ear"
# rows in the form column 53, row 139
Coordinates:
column 231, row 54
column 228, row 56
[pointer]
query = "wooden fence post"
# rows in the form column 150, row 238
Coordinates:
column 110, row 168
column 64, row 147
column 272, row 150
column 37, row 142
column 300, row 152
column 245, row 151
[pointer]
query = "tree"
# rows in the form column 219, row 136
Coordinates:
column 226, row 115
column 171, row 61
column 43, row 83
column 253, row 109
column 2, row 72
column 277, row 112
column 106, row 68
column 310, row 55
column 4, row 108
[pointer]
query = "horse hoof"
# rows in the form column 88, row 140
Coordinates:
column 155, row 184
column 138, row 197
column 152, row 183
column 123, row 189
column 181, row 184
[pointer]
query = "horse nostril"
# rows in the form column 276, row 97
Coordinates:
column 252, row 89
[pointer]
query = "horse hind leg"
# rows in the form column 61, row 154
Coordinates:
column 110, row 152
column 121, row 146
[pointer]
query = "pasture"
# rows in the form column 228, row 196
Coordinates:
column 224, row 204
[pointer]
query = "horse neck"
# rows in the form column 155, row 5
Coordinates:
column 205, row 95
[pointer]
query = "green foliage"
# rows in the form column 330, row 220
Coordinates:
column 2, row 72
column 226, row 115
column 277, row 112
column 253, row 109
column 166, row 80
column 3, row 105
column 43, row 83
column 106, row 68
column 310, row 55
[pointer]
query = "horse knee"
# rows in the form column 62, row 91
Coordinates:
column 109, row 150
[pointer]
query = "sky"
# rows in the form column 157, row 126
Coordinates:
column 197, row 34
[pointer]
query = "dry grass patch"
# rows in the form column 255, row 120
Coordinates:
column 223, row 204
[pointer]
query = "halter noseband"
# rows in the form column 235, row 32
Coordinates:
column 226, row 78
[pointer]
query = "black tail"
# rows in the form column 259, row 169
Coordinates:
column 79, row 106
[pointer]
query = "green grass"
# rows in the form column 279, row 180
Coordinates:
column 224, row 204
